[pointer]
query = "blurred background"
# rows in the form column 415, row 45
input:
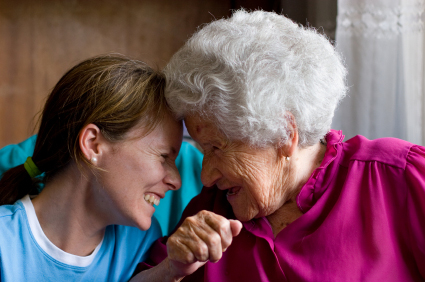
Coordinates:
column 382, row 46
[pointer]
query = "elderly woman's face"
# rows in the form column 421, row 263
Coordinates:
column 255, row 179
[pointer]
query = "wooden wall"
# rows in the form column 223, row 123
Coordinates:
column 41, row 39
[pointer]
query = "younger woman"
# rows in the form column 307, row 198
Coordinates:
column 107, row 146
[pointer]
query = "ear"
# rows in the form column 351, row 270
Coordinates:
column 91, row 141
column 288, row 147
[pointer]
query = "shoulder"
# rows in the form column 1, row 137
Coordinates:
column 390, row 151
column 134, row 234
column 9, row 212
column 133, row 242
column 12, row 222
column 415, row 169
column 129, row 244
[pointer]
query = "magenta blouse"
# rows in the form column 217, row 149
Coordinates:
column 364, row 220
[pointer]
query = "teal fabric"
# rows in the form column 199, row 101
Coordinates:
column 16, row 154
column 170, row 209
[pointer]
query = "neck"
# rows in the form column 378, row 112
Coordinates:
column 303, row 162
column 306, row 161
column 67, row 215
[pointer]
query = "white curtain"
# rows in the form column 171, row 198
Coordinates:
column 382, row 42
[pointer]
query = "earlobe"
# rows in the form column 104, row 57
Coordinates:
column 292, row 142
column 90, row 139
column 288, row 147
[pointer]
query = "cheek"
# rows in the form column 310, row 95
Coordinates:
column 264, row 190
column 129, row 174
column 138, row 167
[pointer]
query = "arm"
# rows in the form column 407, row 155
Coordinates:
column 201, row 238
column 159, row 273
column 415, row 175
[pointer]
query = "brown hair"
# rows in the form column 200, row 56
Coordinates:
column 113, row 92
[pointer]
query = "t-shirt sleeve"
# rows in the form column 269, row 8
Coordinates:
column 415, row 175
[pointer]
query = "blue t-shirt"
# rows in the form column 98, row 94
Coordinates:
column 25, row 255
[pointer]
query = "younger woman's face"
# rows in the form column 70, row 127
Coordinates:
column 138, row 173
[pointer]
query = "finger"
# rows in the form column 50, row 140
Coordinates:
column 192, row 236
column 235, row 226
column 221, row 226
column 204, row 230
column 212, row 240
column 178, row 251
column 202, row 241
column 202, row 237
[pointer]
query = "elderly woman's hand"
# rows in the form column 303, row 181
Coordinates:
column 202, row 237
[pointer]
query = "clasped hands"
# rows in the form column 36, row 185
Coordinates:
column 201, row 238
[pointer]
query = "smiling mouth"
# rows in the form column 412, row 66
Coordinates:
column 152, row 199
column 233, row 191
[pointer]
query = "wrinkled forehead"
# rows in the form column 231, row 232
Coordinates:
column 195, row 124
column 201, row 128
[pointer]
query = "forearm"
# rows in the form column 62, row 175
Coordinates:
column 160, row 273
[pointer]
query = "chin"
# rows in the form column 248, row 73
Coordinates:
column 242, row 216
column 143, row 224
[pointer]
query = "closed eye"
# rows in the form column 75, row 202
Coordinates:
column 169, row 158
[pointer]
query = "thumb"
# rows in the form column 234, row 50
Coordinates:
column 236, row 227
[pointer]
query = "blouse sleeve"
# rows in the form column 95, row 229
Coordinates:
column 415, row 175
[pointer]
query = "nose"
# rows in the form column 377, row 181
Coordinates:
column 173, row 179
column 210, row 174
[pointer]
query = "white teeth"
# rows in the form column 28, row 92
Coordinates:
column 148, row 199
column 151, row 200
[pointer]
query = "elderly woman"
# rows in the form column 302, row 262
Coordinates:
column 258, row 93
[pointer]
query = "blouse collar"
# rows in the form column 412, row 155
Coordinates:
column 317, row 183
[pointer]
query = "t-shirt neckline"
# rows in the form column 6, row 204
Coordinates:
column 47, row 246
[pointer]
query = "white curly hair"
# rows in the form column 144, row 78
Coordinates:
column 247, row 72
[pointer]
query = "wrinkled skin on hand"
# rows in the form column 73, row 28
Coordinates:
column 201, row 238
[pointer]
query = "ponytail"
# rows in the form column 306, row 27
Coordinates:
column 15, row 184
